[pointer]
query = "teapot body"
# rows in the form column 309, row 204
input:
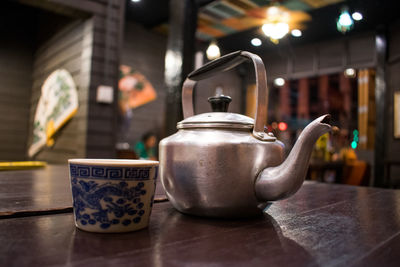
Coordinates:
column 212, row 172
column 223, row 164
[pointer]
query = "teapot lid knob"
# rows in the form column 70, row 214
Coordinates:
column 219, row 103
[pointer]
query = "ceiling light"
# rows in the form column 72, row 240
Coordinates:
column 296, row 33
column 213, row 51
column 345, row 22
column 357, row 16
column 275, row 31
column 273, row 11
column 256, row 42
column 135, row 1
column 345, row 19
column 279, row 82
column 350, row 73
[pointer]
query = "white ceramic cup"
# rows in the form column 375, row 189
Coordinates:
column 112, row 195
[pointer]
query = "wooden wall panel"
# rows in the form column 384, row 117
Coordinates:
column 303, row 60
column 362, row 50
column 331, row 55
column 64, row 50
column 323, row 58
column 69, row 35
column 98, row 7
column 275, row 65
column 15, row 84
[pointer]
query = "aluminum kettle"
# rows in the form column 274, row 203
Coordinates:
column 222, row 164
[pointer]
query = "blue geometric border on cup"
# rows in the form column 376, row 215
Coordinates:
column 110, row 173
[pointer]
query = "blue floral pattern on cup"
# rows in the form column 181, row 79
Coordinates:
column 107, row 203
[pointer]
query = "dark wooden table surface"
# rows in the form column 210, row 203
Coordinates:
column 40, row 191
column 321, row 225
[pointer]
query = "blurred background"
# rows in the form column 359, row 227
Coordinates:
column 125, row 62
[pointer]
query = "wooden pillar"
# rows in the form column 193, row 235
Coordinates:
column 323, row 95
column 284, row 102
column 303, row 105
column 366, row 109
column 179, row 58
column 362, row 108
column 380, row 101
column 345, row 89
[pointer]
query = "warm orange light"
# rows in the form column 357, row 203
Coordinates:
column 282, row 126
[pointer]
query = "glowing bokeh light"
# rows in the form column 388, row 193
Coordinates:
column 279, row 82
column 296, row 33
column 357, row 16
column 213, row 51
column 282, row 126
column 256, row 42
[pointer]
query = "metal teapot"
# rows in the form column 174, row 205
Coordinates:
column 222, row 164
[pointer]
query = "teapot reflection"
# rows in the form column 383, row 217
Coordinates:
column 174, row 238
column 204, row 242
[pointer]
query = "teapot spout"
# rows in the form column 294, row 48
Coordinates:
column 282, row 181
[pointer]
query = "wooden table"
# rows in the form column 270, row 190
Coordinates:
column 321, row 225
column 40, row 191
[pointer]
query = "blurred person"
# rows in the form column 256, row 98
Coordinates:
column 146, row 148
column 343, row 151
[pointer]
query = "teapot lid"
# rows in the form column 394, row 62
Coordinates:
column 223, row 120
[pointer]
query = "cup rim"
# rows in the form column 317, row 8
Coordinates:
column 114, row 162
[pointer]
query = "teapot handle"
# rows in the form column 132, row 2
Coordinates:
column 225, row 63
